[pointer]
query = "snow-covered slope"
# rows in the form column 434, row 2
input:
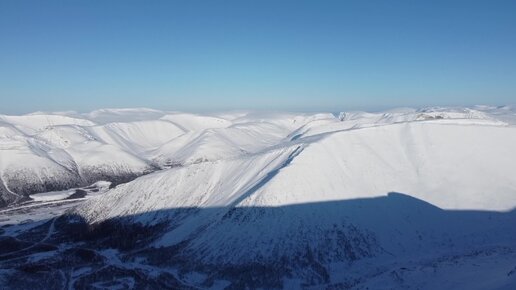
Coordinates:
column 453, row 165
column 269, row 200
column 55, row 151
column 139, row 136
column 269, row 207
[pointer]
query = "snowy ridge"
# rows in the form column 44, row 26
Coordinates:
column 47, row 151
column 55, row 151
column 399, row 199
column 421, row 159
column 254, row 208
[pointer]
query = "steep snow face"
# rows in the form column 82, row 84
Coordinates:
column 453, row 166
column 29, row 165
column 78, row 149
column 209, row 184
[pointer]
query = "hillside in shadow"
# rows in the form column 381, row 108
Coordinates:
column 337, row 244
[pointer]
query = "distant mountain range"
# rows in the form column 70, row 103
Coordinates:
column 407, row 198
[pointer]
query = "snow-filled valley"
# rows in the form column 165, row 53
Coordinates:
column 148, row 199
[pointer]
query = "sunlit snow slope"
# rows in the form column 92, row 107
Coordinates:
column 355, row 154
column 457, row 165
column 54, row 151
column 337, row 200
column 388, row 185
column 462, row 160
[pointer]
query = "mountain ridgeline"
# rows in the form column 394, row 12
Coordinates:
column 398, row 199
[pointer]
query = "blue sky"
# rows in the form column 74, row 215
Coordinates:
column 282, row 55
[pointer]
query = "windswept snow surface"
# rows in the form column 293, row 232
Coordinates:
column 407, row 198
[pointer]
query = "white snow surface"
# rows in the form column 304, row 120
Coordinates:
column 318, row 181
column 400, row 189
column 462, row 160
column 456, row 158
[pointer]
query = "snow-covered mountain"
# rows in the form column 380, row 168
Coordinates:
column 53, row 151
column 403, row 198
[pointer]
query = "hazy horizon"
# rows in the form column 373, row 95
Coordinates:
column 371, row 109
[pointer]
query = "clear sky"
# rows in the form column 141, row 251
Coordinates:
column 217, row 55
